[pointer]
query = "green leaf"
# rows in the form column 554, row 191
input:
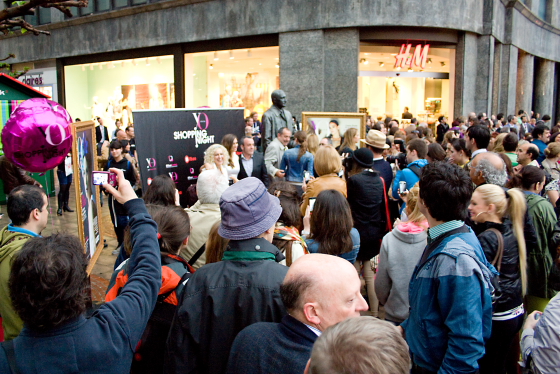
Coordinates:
column 18, row 3
column 23, row 30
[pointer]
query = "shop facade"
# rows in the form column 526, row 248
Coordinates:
column 450, row 58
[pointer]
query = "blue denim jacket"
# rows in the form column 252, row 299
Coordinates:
column 294, row 169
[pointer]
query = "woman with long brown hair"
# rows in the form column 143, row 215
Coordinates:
column 229, row 141
column 329, row 227
column 350, row 143
column 298, row 160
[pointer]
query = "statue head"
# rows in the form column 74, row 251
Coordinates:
column 279, row 98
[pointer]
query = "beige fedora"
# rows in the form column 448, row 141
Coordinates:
column 376, row 139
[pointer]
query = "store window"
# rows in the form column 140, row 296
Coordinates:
column 113, row 89
column 232, row 78
column 385, row 89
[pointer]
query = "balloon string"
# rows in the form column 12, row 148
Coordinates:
column 50, row 205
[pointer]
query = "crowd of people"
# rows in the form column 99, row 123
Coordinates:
column 407, row 251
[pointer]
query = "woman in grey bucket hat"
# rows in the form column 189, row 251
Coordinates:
column 248, row 210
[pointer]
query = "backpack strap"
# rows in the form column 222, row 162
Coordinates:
column 497, row 261
column 164, row 296
column 8, row 347
column 197, row 254
column 387, row 211
column 416, row 170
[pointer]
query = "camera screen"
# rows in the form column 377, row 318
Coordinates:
column 100, row 178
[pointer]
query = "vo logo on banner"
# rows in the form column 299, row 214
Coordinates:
column 201, row 120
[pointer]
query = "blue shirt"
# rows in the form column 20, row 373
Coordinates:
column 313, row 246
column 294, row 169
column 542, row 147
column 13, row 228
column 408, row 176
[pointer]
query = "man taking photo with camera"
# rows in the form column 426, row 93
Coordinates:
column 416, row 151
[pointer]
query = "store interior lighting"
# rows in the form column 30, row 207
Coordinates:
column 122, row 64
column 231, row 55
column 277, row 65
column 381, row 64
column 158, row 59
column 410, row 70
column 216, row 56
column 249, row 53
column 134, row 62
column 429, row 60
column 211, row 66
column 147, row 62
column 443, row 63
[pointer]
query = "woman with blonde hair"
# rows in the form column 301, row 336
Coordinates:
column 229, row 141
column 216, row 157
column 501, row 215
column 327, row 164
column 400, row 251
column 499, row 143
column 351, row 139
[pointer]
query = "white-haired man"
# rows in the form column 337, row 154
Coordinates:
column 205, row 213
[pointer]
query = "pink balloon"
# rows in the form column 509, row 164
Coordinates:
column 37, row 136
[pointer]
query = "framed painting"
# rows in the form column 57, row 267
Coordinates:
column 333, row 125
column 84, row 160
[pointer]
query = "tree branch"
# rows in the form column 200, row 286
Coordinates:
column 25, row 9
column 7, row 25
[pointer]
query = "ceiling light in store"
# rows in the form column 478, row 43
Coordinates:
column 429, row 60
column 158, row 60
column 410, row 70
column 249, row 53
column 398, row 68
column 122, row 64
column 231, row 55
column 147, row 62
column 381, row 64
column 260, row 63
column 211, row 66
column 442, row 63
column 134, row 62
column 367, row 54
column 83, row 68
column 221, row 75
column 216, row 56
column 277, row 66
column 366, row 62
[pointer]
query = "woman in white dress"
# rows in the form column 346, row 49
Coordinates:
column 229, row 141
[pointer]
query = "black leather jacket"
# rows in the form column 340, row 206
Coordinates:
column 510, row 276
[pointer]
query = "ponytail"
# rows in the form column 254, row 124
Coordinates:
column 517, row 206
column 301, row 137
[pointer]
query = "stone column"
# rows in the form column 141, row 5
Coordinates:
column 544, row 87
column 525, row 71
column 484, row 74
column 341, row 55
column 465, row 70
column 302, row 70
column 319, row 70
column 508, row 78
column 496, row 78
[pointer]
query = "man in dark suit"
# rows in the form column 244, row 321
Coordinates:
column 318, row 292
column 251, row 163
column 101, row 133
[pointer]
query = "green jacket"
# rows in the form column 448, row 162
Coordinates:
column 10, row 245
column 539, row 259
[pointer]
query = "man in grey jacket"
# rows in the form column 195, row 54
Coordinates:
column 275, row 152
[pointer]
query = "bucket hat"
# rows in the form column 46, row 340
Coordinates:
column 248, row 210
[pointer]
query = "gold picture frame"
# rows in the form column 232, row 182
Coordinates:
column 88, row 207
column 320, row 124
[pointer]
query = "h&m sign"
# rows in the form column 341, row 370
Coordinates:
column 407, row 59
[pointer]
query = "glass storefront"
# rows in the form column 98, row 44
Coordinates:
column 385, row 89
column 232, row 78
column 113, row 89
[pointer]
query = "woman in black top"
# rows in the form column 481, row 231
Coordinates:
column 366, row 196
column 489, row 207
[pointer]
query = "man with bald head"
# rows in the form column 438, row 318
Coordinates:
column 527, row 154
column 489, row 168
column 319, row 291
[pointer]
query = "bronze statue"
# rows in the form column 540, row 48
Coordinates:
column 276, row 117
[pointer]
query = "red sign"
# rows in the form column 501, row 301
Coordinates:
column 407, row 59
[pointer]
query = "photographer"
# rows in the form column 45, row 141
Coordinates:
column 416, row 159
